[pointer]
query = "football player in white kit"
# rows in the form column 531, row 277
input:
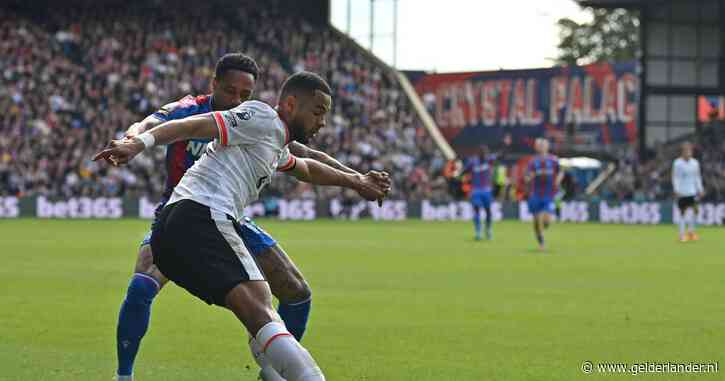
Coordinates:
column 196, row 242
column 687, row 188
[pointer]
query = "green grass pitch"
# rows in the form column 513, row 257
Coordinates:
column 392, row 301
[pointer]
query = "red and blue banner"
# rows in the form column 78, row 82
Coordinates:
column 590, row 106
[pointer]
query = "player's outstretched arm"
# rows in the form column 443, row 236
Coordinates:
column 195, row 127
column 300, row 150
column 153, row 120
column 146, row 124
column 371, row 186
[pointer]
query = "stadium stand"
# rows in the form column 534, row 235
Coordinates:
column 650, row 180
column 75, row 77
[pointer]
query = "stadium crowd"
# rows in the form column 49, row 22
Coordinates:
column 649, row 180
column 81, row 76
column 73, row 78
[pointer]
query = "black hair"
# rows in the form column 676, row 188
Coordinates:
column 304, row 82
column 236, row 61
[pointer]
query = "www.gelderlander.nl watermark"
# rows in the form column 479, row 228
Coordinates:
column 589, row 367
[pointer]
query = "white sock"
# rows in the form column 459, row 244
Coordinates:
column 267, row 372
column 286, row 355
column 124, row 378
column 683, row 216
column 691, row 220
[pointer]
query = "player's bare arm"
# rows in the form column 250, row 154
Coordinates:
column 195, row 127
column 301, row 150
column 150, row 121
column 146, row 124
column 371, row 186
column 528, row 180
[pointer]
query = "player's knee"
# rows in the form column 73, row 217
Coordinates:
column 302, row 292
column 145, row 260
column 145, row 265
column 286, row 281
column 296, row 290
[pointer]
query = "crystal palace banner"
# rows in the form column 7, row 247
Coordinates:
column 591, row 105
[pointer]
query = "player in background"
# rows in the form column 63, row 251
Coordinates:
column 481, row 168
column 543, row 176
column 688, row 189
column 196, row 240
column 234, row 82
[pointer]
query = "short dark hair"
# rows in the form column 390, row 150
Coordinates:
column 304, row 82
column 236, row 61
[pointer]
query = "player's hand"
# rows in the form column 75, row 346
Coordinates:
column 119, row 152
column 111, row 144
column 373, row 186
column 383, row 179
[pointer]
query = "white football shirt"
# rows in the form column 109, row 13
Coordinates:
column 686, row 179
column 251, row 146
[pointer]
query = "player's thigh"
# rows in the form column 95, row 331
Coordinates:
column 548, row 207
column 486, row 200
column 476, row 199
column 285, row 279
column 200, row 250
column 685, row 203
column 541, row 206
column 145, row 265
column 251, row 302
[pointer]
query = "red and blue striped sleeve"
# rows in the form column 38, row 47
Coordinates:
column 186, row 106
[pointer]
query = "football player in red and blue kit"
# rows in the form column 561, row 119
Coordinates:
column 481, row 169
column 234, row 82
column 543, row 176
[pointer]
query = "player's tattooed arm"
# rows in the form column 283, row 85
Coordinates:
column 371, row 186
column 300, row 150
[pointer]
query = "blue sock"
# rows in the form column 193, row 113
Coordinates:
column 295, row 317
column 133, row 320
column 540, row 239
column 477, row 221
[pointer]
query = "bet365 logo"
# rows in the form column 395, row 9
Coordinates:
column 9, row 207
